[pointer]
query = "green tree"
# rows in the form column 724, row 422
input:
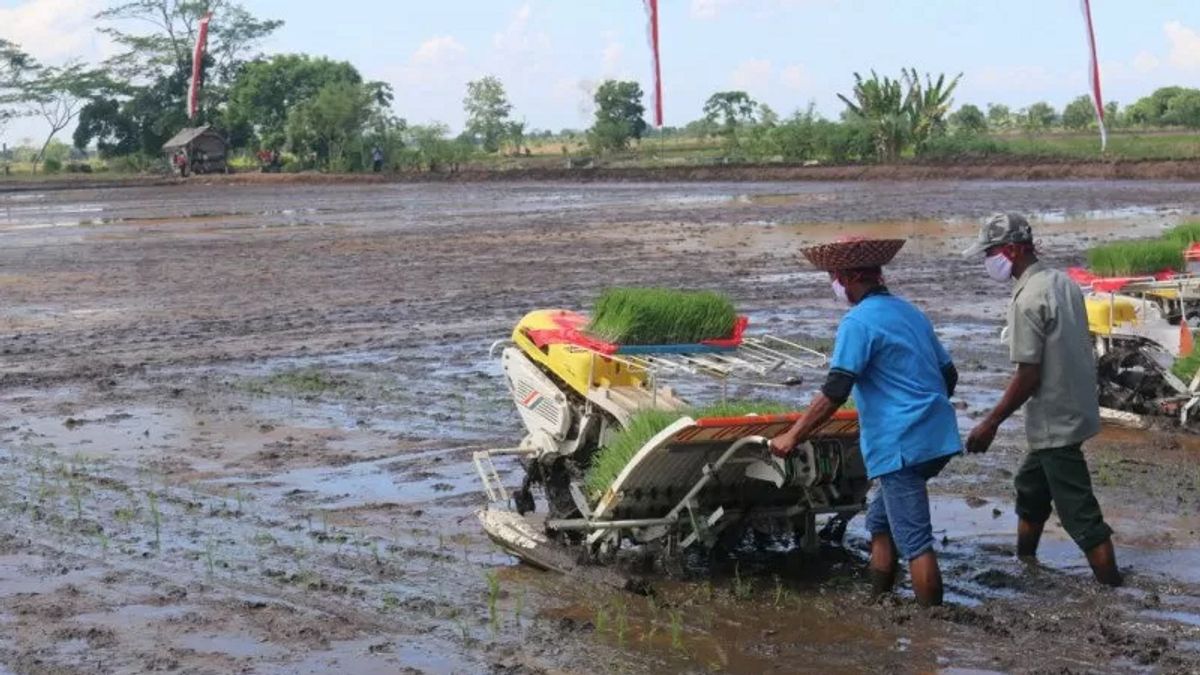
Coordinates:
column 487, row 109
column 969, row 120
column 619, row 112
column 16, row 67
column 729, row 110
column 515, row 136
column 329, row 124
column 1184, row 110
column 1079, row 113
column 926, row 105
column 1039, row 116
column 57, row 95
column 170, row 31
column 124, row 119
column 999, row 116
column 1150, row 110
column 267, row 89
column 766, row 115
column 1113, row 117
column 154, row 66
column 878, row 104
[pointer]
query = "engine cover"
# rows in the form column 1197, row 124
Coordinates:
column 544, row 408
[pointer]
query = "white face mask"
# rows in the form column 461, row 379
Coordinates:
column 998, row 267
column 839, row 291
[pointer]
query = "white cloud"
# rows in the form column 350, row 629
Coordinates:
column 795, row 77
column 55, row 31
column 1185, row 46
column 439, row 51
column 614, row 56
column 752, row 75
column 705, row 10
column 1016, row 78
column 518, row 40
column 1145, row 62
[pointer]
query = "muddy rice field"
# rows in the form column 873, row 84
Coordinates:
column 236, row 424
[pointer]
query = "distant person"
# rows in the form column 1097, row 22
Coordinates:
column 377, row 159
column 1055, row 381
column 888, row 356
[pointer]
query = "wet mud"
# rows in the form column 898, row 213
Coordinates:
column 236, row 426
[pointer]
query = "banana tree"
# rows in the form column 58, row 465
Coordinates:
column 926, row 106
column 880, row 104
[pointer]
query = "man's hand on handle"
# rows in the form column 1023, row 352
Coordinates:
column 783, row 444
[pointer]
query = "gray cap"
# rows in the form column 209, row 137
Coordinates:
column 1000, row 229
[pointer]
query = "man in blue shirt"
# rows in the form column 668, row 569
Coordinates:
column 888, row 356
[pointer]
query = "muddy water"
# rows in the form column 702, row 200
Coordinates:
column 237, row 424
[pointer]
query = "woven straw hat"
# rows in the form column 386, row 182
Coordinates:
column 854, row 254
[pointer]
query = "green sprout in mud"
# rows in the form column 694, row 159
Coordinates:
column 493, row 597
column 76, row 499
column 464, row 630
column 104, row 543
column 156, row 519
column 209, row 558
column 780, row 592
column 742, row 588
column 237, row 495
column 622, row 620
column 652, row 605
column 519, row 607
column 677, row 629
column 601, row 619
column 390, row 602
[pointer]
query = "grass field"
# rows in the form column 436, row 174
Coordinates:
column 690, row 150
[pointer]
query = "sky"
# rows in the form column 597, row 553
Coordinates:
column 786, row 53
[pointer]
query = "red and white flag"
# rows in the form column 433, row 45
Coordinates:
column 652, row 33
column 1094, row 72
column 193, row 98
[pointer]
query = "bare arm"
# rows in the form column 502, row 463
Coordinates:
column 819, row 412
column 1021, row 387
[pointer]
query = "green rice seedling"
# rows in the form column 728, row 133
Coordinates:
column 389, row 602
column 156, row 520
column 210, row 558
column 76, row 499
column 519, row 607
column 780, row 592
column 611, row 459
column 622, row 621
column 464, row 630
column 677, row 629
column 493, row 597
column 1185, row 234
column 652, row 605
column 1132, row 258
column 601, row 619
column 648, row 316
column 104, row 542
column 742, row 588
column 1185, row 367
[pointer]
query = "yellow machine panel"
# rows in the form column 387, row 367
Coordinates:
column 579, row 368
column 1106, row 313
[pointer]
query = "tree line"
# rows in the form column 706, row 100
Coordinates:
column 325, row 115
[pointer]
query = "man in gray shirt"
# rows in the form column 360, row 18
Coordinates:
column 1056, row 382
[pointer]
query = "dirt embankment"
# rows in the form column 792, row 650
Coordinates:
column 964, row 169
